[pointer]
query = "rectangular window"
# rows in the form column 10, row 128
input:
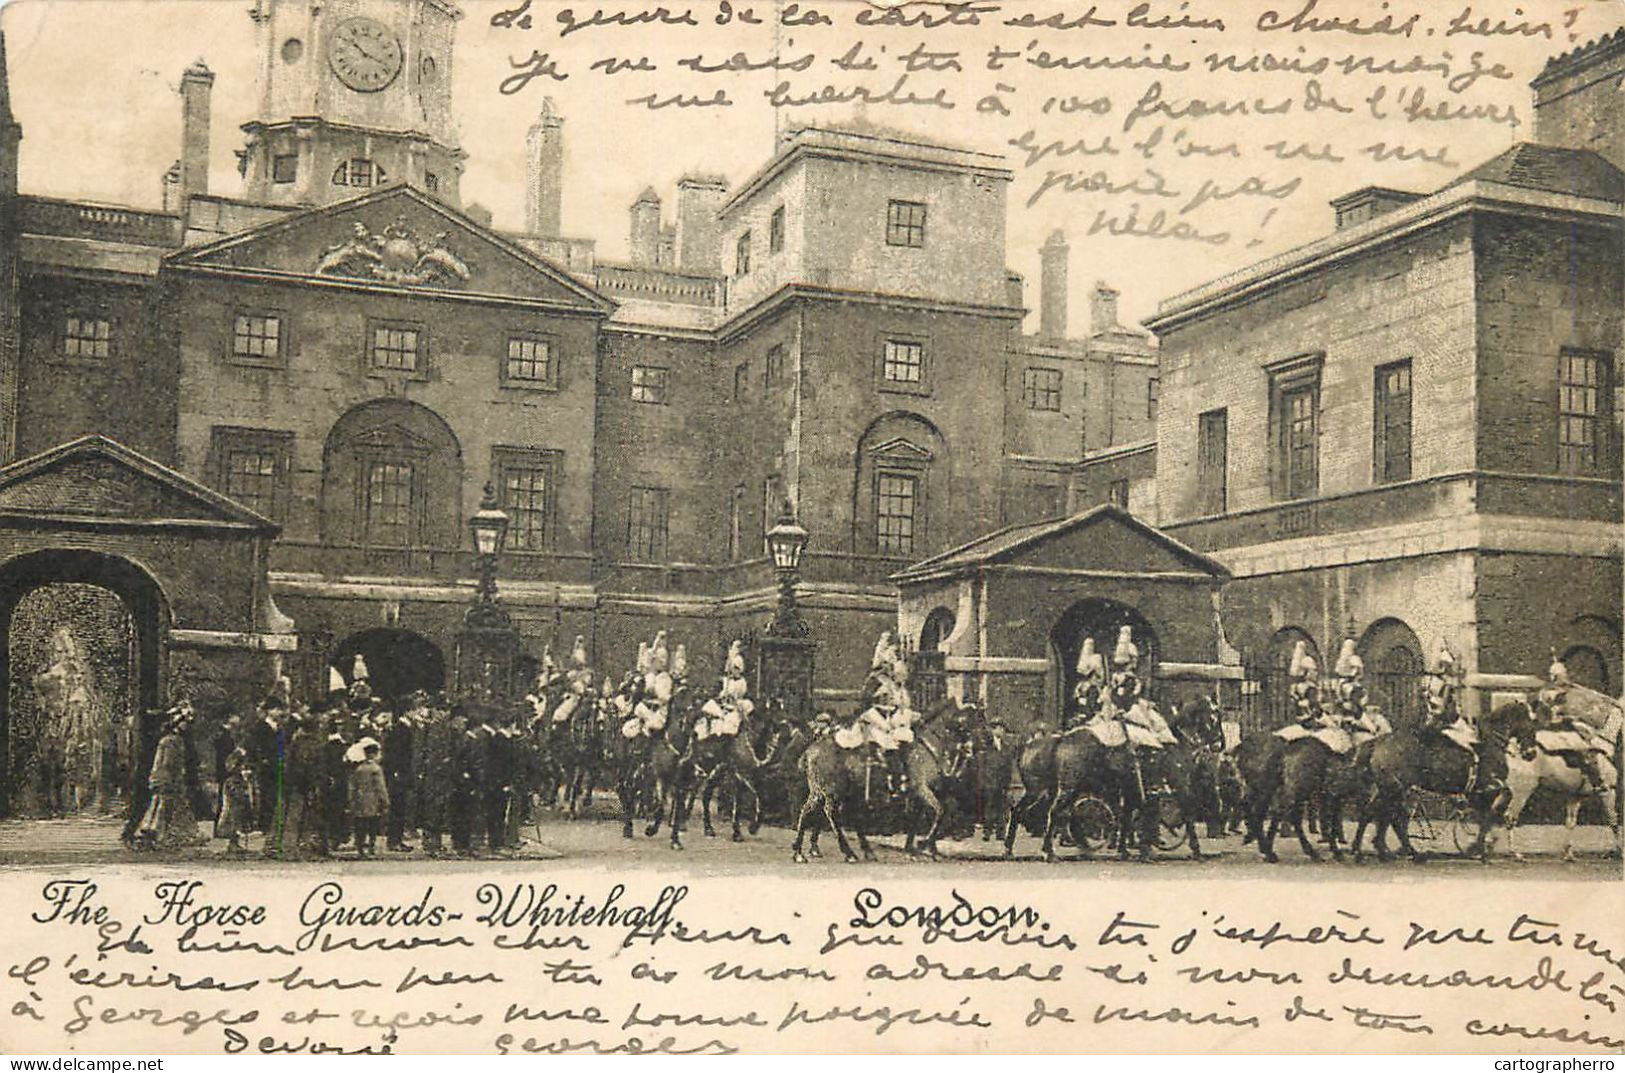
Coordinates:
column 741, row 382
column 396, row 348
column 1391, row 423
column 646, row 525
column 896, row 501
column 1117, row 493
column 251, row 466
column 529, row 362
column 285, row 168
column 742, row 255
column 1295, row 427
column 431, row 182
column 1153, row 390
column 1041, row 389
column 256, row 338
column 904, row 362
column 649, row 384
column 527, row 489
column 736, row 523
column 905, row 224
column 1583, row 402
column 775, row 231
column 774, row 373
column 1212, row 461
column 390, row 503
column 87, row 337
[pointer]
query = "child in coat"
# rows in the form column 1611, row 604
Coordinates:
column 369, row 801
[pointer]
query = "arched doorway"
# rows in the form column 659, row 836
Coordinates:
column 1393, row 670
column 82, row 637
column 1101, row 619
column 392, row 478
column 1587, row 667
column 930, row 661
column 399, row 662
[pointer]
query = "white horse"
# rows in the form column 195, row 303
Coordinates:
column 1552, row 771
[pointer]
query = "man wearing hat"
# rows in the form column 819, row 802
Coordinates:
column 399, row 765
column 722, row 715
column 1305, row 690
column 433, row 775
column 1553, row 699
column 1353, row 712
column 266, row 740
column 886, row 712
column 1090, row 690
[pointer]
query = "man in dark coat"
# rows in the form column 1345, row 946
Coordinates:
column 433, row 763
column 468, row 766
column 398, row 743
column 500, row 758
column 266, row 744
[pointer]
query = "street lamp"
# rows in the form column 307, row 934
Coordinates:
column 787, row 540
column 488, row 647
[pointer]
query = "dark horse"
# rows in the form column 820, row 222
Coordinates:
column 1284, row 778
column 840, row 782
column 644, row 766
column 736, row 761
column 574, row 750
column 1057, row 770
column 1425, row 759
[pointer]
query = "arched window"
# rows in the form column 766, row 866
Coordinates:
column 392, row 478
column 1393, row 670
column 900, row 459
column 1276, row 675
column 358, row 171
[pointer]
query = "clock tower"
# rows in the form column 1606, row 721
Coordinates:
column 352, row 94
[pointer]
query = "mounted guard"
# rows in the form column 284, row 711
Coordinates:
column 722, row 715
column 1443, row 693
column 644, row 714
column 1308, row 702
column 1357, row 715
column 1090, row 692
column 577, row 683
column 1143, row 725
column 886, row 715
column 1564, row 734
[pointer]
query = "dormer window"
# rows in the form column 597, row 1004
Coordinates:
column 358, row 172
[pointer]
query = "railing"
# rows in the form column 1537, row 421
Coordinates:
column 655, row 285
column 76, row 219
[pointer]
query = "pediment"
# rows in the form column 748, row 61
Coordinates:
column 397, row 238
column 901, row 450
column 391, row 437
column 98, row 480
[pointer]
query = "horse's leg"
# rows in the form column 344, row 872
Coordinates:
column 679, row 790
column 863, row 843
column 807, row 808
column 1571, row 816
column 1058, row 805
column 832, row 816
column 1016, row 814
column 755, row 804
column 736, row 784
column 934, row 804
column 707, row 793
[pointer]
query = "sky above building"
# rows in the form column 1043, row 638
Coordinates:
column 95, row 83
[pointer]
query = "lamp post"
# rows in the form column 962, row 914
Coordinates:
column 487, row 646
column 784, row 668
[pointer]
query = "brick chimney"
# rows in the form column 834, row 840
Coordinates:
column 699, row 242
column 1053, row 256
column 544, row 172
column 1103, row 309
column 645, row 236
column 197, row 86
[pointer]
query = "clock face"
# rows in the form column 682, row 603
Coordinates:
column 364, row 54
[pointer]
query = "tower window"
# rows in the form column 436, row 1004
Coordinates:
column 1584, row 398
column 775, row 231
column 285, row 168
column 358, row 172
column 905, row 224
column 742, row 255
column 431, row 182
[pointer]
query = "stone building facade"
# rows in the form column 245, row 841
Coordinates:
column 1408, row 432
column 350, row 352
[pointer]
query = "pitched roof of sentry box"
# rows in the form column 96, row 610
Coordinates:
column 1532, row 166
column 96, row 480
column 371, row 241
column 1010, row 543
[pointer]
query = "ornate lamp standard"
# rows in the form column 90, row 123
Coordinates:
column 488, row 645
column 784, row 669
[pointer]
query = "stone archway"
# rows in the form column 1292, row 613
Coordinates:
column 1393, row 670
column 80, row 586
column 399, row 662
column 1101, row 619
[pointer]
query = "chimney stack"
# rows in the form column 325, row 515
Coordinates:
column 1103, row 309
column 646, row 228
column 544, row 173
column 1052, row 286
column 197, row 85
column 699, row 243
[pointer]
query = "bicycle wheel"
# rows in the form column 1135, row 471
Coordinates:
column 1093, row 824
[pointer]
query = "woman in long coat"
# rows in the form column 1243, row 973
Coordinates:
column 169, row 822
